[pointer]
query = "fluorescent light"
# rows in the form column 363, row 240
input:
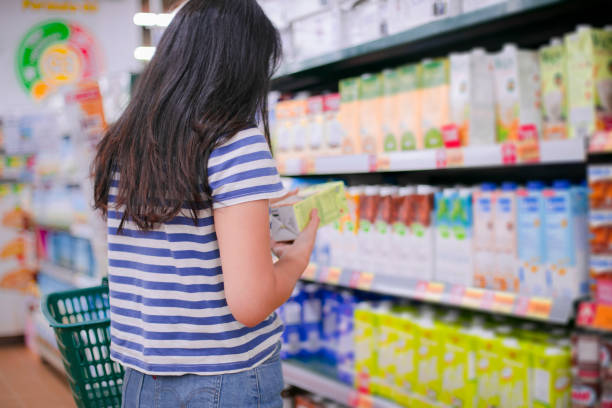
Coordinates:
column 164, row 19
column 144, row 53
column 145, row 19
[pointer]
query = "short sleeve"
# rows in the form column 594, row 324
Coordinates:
column 243, row 170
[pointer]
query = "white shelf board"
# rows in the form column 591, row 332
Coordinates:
column 68, row 276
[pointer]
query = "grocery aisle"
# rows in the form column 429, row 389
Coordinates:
column 26, row 382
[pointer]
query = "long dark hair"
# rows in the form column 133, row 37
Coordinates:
column 207, row 81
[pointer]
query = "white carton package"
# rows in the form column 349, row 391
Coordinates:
column 484, row 235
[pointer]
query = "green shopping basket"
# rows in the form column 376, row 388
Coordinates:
column 80, row 319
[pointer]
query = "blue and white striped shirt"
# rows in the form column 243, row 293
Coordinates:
column 169, row 315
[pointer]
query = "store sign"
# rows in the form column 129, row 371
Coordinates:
column 55, row 53
column 87, row 6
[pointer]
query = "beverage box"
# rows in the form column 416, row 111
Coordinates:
column 370, row 105
column 348, row 115
column 554, row 90
column 409, row 104
column 435, row 101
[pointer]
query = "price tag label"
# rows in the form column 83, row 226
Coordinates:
column 586, row 314
column 372, row 163
column 434, row 291
column 421, row 290
column 488, row 298
column 528, row 151
column 521, row 306
column 503, row 302
column 365, row 280
column 603, row 317
column 383, row 163
column 333, row 276
column 454, row 157
column 472, row 297
column 354, row 279
column 450, row 134
column 600, row 142
column 509, row 154
column 456, row 294
column 539, row 307
column 310, row 273
column 441, row 159
column 364, row 401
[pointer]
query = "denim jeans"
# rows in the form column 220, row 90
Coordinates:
column 259, row 387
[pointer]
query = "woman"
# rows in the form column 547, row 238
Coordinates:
column 185, row 178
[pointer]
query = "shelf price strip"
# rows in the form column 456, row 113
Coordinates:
column 503, row 302
column 333, row 276
column 310, row 273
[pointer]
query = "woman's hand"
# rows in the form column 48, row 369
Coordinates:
column 299, row 251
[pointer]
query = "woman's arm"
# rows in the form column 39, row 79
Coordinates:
column 254, row 285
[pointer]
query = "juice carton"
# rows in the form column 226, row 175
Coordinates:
column 435, row 101
column 487, row 367
column 404, row 351
column 366, row 239
column 428, row 358
column 589, row 81
column 366, row 337
column 346, row 338
column 370, row 103
column 330, row 302
column 423, row 232
column 514, row 377
column 402, row 245
column 471, row 100
column 291, row 315
column 283, row 140
column 302, row 127
column 292, row 215
column 349, row 240
column 554, row 90
column 531, row 240
column 311, row 321
column 332, row 128
column 505, row 272
column 458, row 376
column 566, row 239
column 444, row 233
column 484, row 235
column 316, row 127
column 517, row 94
column 462, row 243
column 388, row 336
column 390, row 112
column 385, row 219
column 348, row 116
column 409, row 102
column 551, row 376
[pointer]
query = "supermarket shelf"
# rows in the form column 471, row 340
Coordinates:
column 310, row 377
column 553, row 310
column 85, row 231
column 500, row 155
column 595, row 316
column 67, row 275
column 529, row 23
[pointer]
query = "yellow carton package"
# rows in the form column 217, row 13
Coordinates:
column 291, row 215
column 514, row 373
column 404, row 354
column 409, row 104
column 348, row 115
column 428, row 358
column 388, row 336
column 366, row 357
column 487, row 369
column 370, row 102
column 551, row 376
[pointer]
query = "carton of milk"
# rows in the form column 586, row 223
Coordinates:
column 390, row 111
column 348, row 116
column 402, row 238
column 370, row 99
column 289, row 217
column 589, row 81
column 517, row 94
column 409, row 101
column 566, row 239
column 471, row 100
column 532, row 240
column 332, row 128
column 505, row 273
column 423, row 232
column 316, row 128
column 435, row 101
column 554, row 90
column 462, row 249
column 444, row 201
column 484, row 235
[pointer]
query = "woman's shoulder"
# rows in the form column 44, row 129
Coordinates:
column 251, row 138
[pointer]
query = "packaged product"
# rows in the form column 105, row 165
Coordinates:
column 488, row 352
column 405, row 351
column 517, row 94
column 554, row 90
column 330, row 307
column 423, row 232
column 551, row 376
column 283, row 141
column 565, row 231
column 585, row 395
column 370, row 102
column 515, row 360
column 444, row 266
column 366, row 337
column 505, row 273
column 346, row 338
column 428, row 379
column 587, row 357
column 388, row 336
column 311, row 321
column 386, row 215
column 435, row 101
column 409, row 103
column 366, row 239
column 484, row 235
column 332, row 128
column 301, row 128
column 291, row 315
column 291, row 215
column 471, row 100
column 349, row 114
column 531, row 240
column 390, row 112
column 316, row 125
column 589, row 81
column 349, row 241
column 403, row 242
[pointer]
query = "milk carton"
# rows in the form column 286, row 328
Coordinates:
column 330, row 301
column 403, row 241
column 484, row 235
column 311, row 321
column 487, row 368
column 505, row 272
column 283, row 141
column 349, row 241
column 462, row 249
column 370, row 98
column 301, row 128
column 388, row 336
column 346, row 339
column 532, row 240
column 405, row 351
column 589, row 81
column 423, row 232
column 291, row 315
column 554, row 90
column 445, row 267
column 517, row 94
column 515, row 359
column 390, row 112
column 332, row 128
column 348, row 116
column 409, row 104
column 566, row 239
column 368, row 207
column 316, row 127
column 366, row 338
column 385, row 219
column 551, row 376
column 435, row 103
column 471, row 100
column 428, row 355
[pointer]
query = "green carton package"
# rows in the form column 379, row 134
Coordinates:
column 291, row 215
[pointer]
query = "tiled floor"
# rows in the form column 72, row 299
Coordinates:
column 25, row 382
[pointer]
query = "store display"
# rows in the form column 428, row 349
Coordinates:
column 553, row 69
